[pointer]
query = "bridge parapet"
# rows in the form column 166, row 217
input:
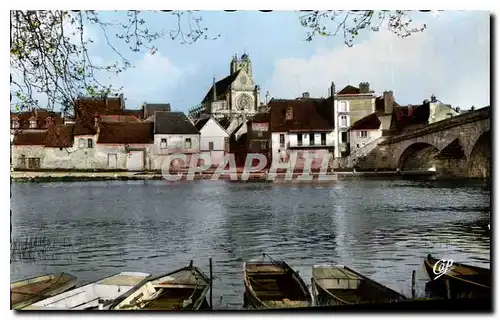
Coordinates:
column 468, row 117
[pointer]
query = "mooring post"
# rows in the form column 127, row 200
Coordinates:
column 413, row 284
column 211, row 285
column 448, row 290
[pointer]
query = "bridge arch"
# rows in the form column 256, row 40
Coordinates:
column 479, row 164
column 418, row 156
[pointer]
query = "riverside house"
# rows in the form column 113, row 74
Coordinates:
column 173, row 134
column 302, row 126
column 214, row 140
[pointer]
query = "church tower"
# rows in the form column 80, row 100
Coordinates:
column 243, row 63
column 234, row 64
column 246, row 64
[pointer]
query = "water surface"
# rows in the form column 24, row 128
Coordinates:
column 382, row 229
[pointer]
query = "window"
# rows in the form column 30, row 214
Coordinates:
column 187, row 143
column 343, row 106
column 289, row 113
column 282, row 140
column 259, row 134
column 311, row 139
column 343, row 121
column 323, row 139
column 343, row 137
column 210, row 146
column 81, row 143
column 15, row 124
column 163, row 143
column 32, row 123
column 90, row 143
column 263, row 145
column 226, row 143
column 299, row 139
column 22, row 161
column 34, row 163
column 363, row 134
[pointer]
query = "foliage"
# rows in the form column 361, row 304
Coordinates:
column 49, row 52
column 351, row 23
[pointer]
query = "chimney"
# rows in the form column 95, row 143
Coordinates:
column 305, row 95
column 96, row 120
column 257, row 96
column 267, row 97
column 122, row 101
column 388, row 102
column 332, row 89
column 472, row 108
column 214, row 92
column 457, row 109
column 433, row 99
column 364, row 87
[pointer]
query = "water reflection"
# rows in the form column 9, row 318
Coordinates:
column 382, row 229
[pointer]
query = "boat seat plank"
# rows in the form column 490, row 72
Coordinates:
column 178, row 286
column 333, row 273
column 271, row 268
column 122, row 280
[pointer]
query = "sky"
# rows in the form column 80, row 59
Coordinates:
column 450, row 59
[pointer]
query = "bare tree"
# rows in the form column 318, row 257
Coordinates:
column 350, row 24
column 49, row 53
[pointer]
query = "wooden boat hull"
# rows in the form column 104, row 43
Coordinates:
column 339, row 285
column 26, row 292
column 183, row 289
column 273, row 284
column 462, row 281
column 93, row 295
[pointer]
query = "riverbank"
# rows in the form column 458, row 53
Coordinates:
column 50, row 176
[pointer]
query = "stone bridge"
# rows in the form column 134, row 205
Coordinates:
column 458, row 146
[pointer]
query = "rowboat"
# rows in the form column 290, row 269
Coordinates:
column 460, row 280
column 183, row 289
column 28, row 291
column 273, row 284
column 339, row 285
column 93, row 295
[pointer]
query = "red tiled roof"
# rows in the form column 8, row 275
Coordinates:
column 29, row 138
column 87, row 108
column 122, row 133
column 306, row 115
column 370, row 122
column 56, row 136
column 118, row 118
column 349, row 90
column 40, row 115
column 59, row 136
column 261, row 117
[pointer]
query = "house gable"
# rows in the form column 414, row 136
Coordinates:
column 213, row 129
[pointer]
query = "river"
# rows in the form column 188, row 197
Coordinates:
column 381, row 228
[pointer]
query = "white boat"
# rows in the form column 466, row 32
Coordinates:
column 93, row 295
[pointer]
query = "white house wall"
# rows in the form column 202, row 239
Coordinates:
column 212, row 132
column 76, row 158
column 175, row 145
column 357, row 141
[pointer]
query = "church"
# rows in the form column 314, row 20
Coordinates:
column 235, row 96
